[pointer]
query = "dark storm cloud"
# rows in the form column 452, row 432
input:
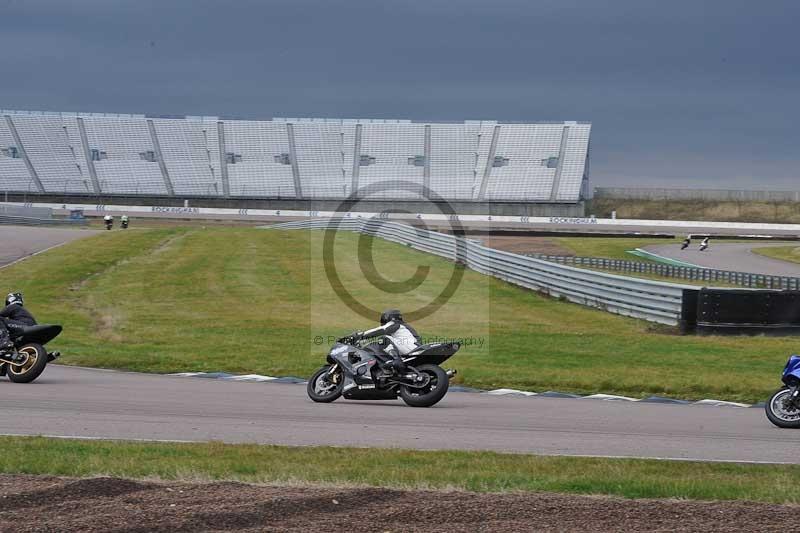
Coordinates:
column 680, row 93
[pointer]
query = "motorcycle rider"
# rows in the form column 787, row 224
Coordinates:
column 124, row 221
column 13, row 317
column 108, row 220
column 401, row 339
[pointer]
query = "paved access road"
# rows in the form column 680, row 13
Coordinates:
column 734, row 256
column 68, row 401
column 17, row 242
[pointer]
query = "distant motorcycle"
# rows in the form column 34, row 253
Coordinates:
column 30, row 357
column 124, row 224
column 783, row 407
column 108, row 221
column 354, row 372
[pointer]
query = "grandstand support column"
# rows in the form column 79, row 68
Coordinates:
column 426, row 176
column 87, row 154
column 356, row 159
column 24, row 154
column 298, row 189
column 160, row 157
column 223, row 160
column 489, row 162
column 562, row 150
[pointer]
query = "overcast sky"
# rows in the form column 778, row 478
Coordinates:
column 680, row 93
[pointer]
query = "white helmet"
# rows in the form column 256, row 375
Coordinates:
column 14, row 298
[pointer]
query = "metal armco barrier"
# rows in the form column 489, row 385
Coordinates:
column 26, row 211
column 649, row 300
column 33, row 216
column 743, row 279
column 29, row 221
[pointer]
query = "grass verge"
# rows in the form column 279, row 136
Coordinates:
column 408, row 469
column 610, row 247
column 745, row 211
column 784, row 253
column 245, row 300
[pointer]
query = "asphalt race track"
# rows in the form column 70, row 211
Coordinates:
column 738, row 257
column 69, row 401
column 91, row 403
column 17, row 242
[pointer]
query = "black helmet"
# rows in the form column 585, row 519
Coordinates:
column 390, row 315
column 14, row 298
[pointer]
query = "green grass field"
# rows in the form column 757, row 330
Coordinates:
column 609, row 247
column 246, row 300
column 745, row 211
column 409, row 469
column 785, row 253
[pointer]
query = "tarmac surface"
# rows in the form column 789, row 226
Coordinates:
column 738, row 257
column 17, row 242
column 92, row 403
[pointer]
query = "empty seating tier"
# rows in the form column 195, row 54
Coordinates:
column 482, row 161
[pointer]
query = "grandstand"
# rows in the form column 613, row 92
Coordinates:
column 479, row 166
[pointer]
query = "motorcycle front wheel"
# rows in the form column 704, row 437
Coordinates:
column 781, row 411
column 431, row 393
column 31, row 367
column 323, row 388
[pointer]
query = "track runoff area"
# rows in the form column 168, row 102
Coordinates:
column 92, row 404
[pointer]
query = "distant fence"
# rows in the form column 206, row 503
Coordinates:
column 719, row 195
column 742, row 279
column 655, row 301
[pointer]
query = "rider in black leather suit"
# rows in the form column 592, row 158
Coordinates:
column 13, row 318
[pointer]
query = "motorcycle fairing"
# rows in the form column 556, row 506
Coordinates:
column 40, row 334
column 791, row 372
column 435, row 353
column 356, row 363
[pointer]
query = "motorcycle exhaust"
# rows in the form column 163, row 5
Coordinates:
column 451, row 372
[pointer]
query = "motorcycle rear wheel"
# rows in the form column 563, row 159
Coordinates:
column 321, row 390
column 432, row 393
column 780, row 413
column 33, row 365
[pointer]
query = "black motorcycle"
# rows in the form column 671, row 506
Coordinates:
column 29, row 358
column 353, row 370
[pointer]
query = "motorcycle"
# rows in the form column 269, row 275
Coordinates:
column 124, row 224
column 783, row 407
column 108, row 222
column 29, row 344
column 354, row 371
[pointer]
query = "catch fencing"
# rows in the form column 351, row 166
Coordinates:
column 742, row 279
column 645, row 299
